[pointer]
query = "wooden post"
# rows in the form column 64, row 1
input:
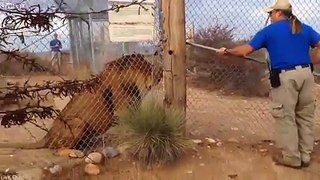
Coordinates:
column 174, row 54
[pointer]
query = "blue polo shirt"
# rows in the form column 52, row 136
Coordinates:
column 53, row 43
column 286, row 49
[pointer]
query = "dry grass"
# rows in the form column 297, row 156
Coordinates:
column 154, row 137
column 14, row 67
column 81, row 73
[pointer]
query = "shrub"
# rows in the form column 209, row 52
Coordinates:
column 233, row 75
column 153, row 135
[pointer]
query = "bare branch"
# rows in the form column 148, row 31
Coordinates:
column 40, row 92
column 60, row 89
column 38, row 126
column 52, row 11
column 34, row 20
column 41, row 20
column 27, row 114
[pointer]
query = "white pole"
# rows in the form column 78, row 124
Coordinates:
column 91, row 43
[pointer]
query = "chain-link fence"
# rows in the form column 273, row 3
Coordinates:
column 35, row 46
column 128, row 67
column 228, row 97
column 125, row 58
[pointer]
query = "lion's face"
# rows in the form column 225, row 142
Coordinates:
column 153, row 80
column 135, row 69
column 133, row 74
column 144, row 80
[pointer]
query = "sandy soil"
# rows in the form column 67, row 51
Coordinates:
column 243, row 121
column 246, row 119
column 226, row 162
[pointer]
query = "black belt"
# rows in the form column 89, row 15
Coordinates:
column 293, row 67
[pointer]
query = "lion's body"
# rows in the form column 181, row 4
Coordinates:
column 89, row 115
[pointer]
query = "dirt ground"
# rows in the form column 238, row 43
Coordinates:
column 225, row 162
column 245, row 119
column 238, row 122
column 30, row 164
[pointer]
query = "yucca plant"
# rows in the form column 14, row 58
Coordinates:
column 154, row 136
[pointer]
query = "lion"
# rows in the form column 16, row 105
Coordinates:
column 123, row 82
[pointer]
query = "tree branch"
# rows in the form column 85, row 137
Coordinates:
column 34, row 19
column 60, row 89
column 27, row 114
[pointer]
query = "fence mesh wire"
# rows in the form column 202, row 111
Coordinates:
column 228, row 97
column 127, row 72
column 34, row 45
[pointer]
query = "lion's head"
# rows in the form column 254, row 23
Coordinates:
column 133, row 74
column 135, row 69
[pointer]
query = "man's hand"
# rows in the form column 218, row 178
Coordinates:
column 222, row 51
column 241, row 51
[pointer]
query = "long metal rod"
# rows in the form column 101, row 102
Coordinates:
column 246, row 57
column 215, row 50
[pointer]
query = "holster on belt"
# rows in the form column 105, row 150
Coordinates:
column 275, row 78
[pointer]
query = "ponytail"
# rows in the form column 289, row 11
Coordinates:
column 296, row 25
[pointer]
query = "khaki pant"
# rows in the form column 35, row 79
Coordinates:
column 293, row 107
column 56, row 59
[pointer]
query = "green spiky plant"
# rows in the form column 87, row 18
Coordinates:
column 153, row 135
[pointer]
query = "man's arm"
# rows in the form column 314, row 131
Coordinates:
column 51, row 45
column 257, row 42
column 315, row 45
column 60, row 44
column 242, row 50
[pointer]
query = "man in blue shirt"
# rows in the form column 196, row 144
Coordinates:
column 288, row 42
column 56, row 47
